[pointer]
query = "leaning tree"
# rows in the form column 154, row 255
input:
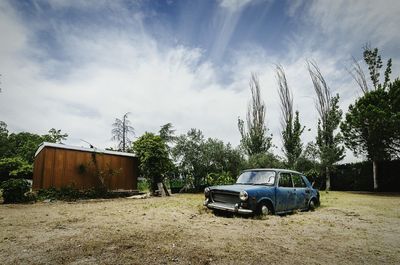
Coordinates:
column 255, row 138
column 291, row 127
column 329, row 141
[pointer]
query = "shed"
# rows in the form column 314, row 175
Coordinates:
column 59, row 165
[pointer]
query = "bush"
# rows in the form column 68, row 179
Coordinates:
column 223, row 178
column 15, row 167
column 267, row 160
column 15, row 191
column 70, row 193
column 143, row 185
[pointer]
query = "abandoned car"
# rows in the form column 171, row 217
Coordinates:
column 263, row 192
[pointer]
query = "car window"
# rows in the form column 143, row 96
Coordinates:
column 298, row 181
column 257, row 177
column 285, row 180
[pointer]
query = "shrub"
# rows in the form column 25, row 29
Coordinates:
column 143, row 185
column 14, row 167
column 15, row 191
column 219, row 179
column 70, row 193
column 267, row 160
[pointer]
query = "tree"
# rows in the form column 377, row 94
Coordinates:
column 329, row 143
column 3, row 139
column 189, row 156
column 255, row 139
column 371, row 126
column 153, row 156
column 167, row 133
column 121, row 131
column 15, row 167
column 197, row 157
column 24, row 145
column 291, row 127
column 55, row 136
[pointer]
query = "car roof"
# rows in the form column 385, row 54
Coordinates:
column 273, row 169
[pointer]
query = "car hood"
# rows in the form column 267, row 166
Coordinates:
column 239, row 187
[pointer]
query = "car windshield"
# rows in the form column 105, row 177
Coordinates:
column 257, row 177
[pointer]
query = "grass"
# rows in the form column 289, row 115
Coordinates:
column 349, row 228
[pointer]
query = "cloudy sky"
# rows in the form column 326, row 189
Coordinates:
column 77, row 65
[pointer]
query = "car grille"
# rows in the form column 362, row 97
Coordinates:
column 225, row 197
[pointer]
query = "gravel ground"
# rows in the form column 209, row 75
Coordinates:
column 348, row 228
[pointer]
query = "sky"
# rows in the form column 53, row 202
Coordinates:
column 78, row 65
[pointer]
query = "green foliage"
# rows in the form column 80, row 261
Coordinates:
column 15, row 191
column 292, row 145
column 154, row 159
column 223, row 178
column 55, row 136
column 196, row 157
column 267, row 160
column 143, row 185
column 167, row 133
column 374, row 63
column 70, row 193
column 25, row 144
column 255, row 139
column 176, row 183
column 14, row 167
column 3, row 139
column 329, row 144
column 371, row 126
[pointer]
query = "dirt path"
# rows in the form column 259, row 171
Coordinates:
column 348, row 229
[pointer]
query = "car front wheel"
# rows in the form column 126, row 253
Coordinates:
column 312, row 205
column 264, row 209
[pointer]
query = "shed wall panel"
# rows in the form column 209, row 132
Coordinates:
column 55, row 167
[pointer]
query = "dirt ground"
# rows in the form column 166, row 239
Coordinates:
column 348, row 228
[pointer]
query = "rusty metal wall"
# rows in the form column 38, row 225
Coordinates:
column 54, row 167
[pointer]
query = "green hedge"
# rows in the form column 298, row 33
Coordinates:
column 359, row 176
column 16, row 191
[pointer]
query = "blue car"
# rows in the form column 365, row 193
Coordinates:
column 263, row 192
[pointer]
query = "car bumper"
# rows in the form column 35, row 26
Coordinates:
column 227, row 207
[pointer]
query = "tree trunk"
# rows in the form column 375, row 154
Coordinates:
column 123, row 135
column 328, row 178
column 375, row 174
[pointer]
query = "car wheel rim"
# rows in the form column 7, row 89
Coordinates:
column 312, row 205
column 264, row 210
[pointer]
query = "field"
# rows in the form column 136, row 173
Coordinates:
column 348, row 228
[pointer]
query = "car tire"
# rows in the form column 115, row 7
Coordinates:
column 264, row 209
column 312, row 205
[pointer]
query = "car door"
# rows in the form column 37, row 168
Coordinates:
column 301, row 190
column 285, row 195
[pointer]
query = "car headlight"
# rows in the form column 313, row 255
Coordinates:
column 206, row 191
column 243, row 195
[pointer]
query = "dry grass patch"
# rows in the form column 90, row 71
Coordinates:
column 349, row 228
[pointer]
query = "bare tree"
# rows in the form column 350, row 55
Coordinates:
column 255, row 139
column 121, row 131
column 291, row 127
column 329, row 144
column 358, row 75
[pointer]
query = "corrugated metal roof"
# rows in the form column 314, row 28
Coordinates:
column 84, row 149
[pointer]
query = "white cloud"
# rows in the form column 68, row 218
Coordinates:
column 108, row 73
